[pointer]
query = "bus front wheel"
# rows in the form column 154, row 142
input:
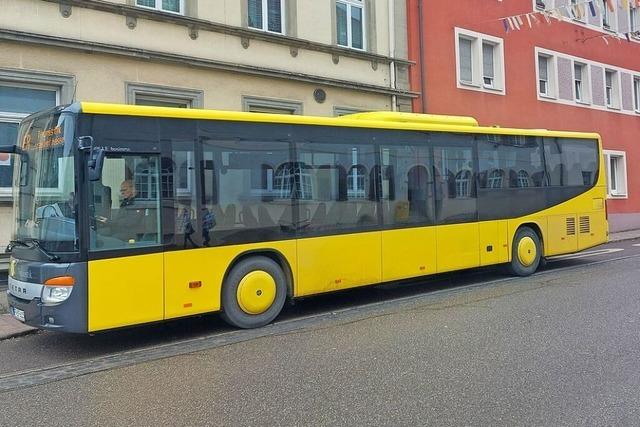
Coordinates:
column 253, row 293
column 526, row 252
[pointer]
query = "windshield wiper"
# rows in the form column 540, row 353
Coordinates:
column 32, row 243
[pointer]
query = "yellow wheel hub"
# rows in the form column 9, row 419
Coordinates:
column 256, row 292
column 527, row 251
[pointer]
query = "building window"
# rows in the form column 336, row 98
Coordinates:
column 546, row 74
column 171, row 6
column 616, row 168
column 161, row 96
column 609, row 15
column 542, row 4
column 23, row 93
column 465, row 50
column 271, row 106
column 611, row 86
column 344, row 111
column 480, row 61
column 488, row 64
column 266, row 15
column 636, row 94
column 350, row 23
column 634, row 20
column 580, row 83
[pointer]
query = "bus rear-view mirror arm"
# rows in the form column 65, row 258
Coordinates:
column 96, row 157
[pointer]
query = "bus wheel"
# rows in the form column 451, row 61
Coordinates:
column 526, row 252
column 253, row 293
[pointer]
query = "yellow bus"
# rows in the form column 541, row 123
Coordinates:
column 126, row 215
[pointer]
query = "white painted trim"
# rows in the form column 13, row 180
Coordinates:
column 589, row 63
column 158, row 7
column 265, row 18
column 361, row 5
column 477, row 63
column 621, row 174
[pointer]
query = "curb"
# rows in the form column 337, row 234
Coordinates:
column 11, row 328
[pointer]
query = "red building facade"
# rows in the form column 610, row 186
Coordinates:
column 555, row 64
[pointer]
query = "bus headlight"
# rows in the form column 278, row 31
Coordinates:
column 56, row 294
column 57, row 289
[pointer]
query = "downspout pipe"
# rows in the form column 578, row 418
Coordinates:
column 423, row 95
column 392, row 53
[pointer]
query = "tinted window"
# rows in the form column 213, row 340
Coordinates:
column 407, row 185
column 507, row 161
column 571, row 162
column 338, row 186
column 248, row 187
column 454, row 167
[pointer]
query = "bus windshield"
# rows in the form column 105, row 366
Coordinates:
column 45, row 207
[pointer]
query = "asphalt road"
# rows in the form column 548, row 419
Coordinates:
column 477, row 348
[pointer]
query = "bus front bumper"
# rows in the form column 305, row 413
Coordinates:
column 59, row 317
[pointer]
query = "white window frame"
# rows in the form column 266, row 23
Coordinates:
column 634, row 20
column 585, row 83
column 360, row 4
column 582, row 20
column 552, row 85
column 249, row 102
column 621, row 191
column 635, row 88
column 612, row 17
column 477, row 74
column 265, row 18
column 159, row 8
column 191, row 98
column 614, row 101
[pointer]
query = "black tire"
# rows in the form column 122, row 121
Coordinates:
column 232, row 312
column 516, row 266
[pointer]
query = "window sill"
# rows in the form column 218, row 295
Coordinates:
column 617, row 196
column 469, row 84
column 545, row 96
column 577, row 101
column 613, row 107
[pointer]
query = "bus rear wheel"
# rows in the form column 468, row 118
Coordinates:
column 253, row 293
column 526, row 252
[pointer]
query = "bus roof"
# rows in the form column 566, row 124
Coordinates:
column 377, row 119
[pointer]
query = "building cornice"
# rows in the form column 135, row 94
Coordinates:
column 193, row 25
column 184, row 60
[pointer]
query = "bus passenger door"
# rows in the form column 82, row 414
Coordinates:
column 126, row 267
column 457, row 234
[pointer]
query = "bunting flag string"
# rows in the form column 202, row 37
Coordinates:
column 579, row 10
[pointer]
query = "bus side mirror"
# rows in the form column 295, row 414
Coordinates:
column 95, row 164
column 96, row 157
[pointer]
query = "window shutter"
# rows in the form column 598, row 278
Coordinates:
column 466, row 68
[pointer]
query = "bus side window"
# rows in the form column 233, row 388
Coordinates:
column 407, row 185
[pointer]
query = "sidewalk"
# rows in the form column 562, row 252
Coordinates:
column 10, row 327
column 624, row 235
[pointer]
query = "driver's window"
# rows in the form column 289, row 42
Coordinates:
column 125, row 203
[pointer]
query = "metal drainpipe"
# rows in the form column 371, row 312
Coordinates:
column 423, row 95
column 392, row 54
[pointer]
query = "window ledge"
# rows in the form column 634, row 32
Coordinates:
column 545, row 96
column 190, row 22
column 613, row 107
column 582, row 102
column 617, row 196
column 470, row 84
